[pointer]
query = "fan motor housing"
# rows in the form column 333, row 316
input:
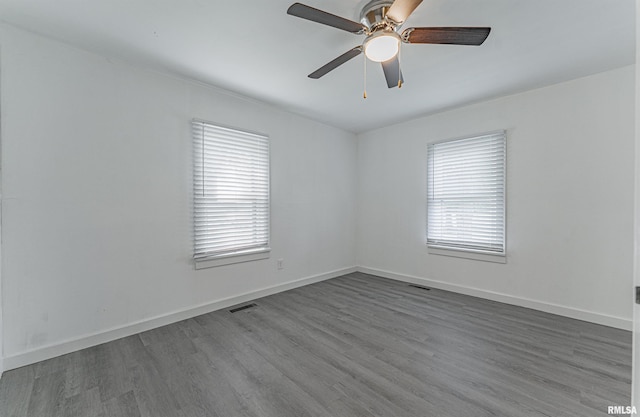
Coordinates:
column 373, row 15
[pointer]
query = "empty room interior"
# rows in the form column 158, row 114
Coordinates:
column 329, row 208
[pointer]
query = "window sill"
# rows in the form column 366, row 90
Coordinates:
column 232, row 259
column 476, row 256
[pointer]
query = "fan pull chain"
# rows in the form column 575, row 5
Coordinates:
column 365, row 76
column 399, row 68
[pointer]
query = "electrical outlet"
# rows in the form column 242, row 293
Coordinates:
column 280, row 263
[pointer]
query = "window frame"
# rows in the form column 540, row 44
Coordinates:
column 242, row 255
column 471, row 253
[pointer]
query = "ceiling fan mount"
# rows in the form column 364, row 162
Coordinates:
column 380, row 21
column 373, row 15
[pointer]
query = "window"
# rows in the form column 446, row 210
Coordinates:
column 466, row 195
column 231, row 195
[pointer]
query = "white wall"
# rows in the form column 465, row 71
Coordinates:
column 97, row 198
column 1, row 321
column 569, row 199
column 635, row 385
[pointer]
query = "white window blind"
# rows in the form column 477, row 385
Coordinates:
column 231, row 192
column 466, row 194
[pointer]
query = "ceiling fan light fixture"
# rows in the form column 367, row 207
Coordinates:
column 380, row 22
column 382, row 46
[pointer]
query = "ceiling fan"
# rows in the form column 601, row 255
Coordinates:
column 380, row 21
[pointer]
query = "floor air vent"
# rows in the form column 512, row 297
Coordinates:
column 235, row 310
column 420, row 287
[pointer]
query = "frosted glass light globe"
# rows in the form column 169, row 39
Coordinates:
column 382, row 48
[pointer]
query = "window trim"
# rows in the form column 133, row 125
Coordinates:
column 232, row 258
column 470, row 253
column 243, row 255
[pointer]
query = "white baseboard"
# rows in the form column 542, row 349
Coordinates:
column 83, row 342
column 94, row 339
column 574, row 313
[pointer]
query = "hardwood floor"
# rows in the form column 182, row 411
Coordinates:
column 357, row 345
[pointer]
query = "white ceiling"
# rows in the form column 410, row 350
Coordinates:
column 254, row 48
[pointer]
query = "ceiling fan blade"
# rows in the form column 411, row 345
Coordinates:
column 316, row 15
column 447, row 35
column 336, row 62
column 401, row 9
column 392, row 72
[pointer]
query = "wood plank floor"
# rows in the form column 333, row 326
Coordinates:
column 357, row 345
